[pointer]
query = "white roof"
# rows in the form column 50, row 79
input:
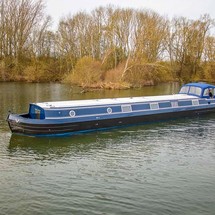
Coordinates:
column 93, row 102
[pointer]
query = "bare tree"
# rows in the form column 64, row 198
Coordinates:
column 186, row 44
column 21, row 22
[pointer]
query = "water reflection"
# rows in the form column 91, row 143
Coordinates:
column 77, row 145
column 123, row 138
column 52, row 148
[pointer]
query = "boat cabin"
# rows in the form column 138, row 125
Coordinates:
column 202, row 90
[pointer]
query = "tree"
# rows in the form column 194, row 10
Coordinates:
column 186, row 44
column 150, row 34
column 20, row 20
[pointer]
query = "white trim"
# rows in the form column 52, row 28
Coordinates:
column 117, row 101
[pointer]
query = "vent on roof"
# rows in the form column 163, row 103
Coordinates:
column 195, row 102
column 154, row 106
column 174, row 104
column 126, row 108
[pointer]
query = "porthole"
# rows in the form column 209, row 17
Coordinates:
column 109, row 110
column 72, row 113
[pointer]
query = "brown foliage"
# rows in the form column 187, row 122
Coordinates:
column 154, row 48
column 86, row 72
column 209, row 72
column 114, row 75
column 37, row 73
column 148, row 74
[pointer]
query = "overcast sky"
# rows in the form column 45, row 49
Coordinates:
column 191, row 9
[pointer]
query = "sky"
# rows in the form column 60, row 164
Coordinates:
column 191, row 9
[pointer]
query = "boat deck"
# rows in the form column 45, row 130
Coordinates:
column 112, row 101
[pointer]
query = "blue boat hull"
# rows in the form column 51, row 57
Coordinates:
column 21, row 124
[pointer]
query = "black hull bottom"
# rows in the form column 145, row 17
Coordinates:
column 69, row 128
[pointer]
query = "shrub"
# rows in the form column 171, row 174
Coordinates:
column 86, row 72
column 38, row 72
column 148, row 74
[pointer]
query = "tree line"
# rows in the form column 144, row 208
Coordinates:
column 108, row 47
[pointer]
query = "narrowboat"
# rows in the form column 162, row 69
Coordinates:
column 62, row 118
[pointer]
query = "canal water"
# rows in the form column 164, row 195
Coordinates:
column 156, row 169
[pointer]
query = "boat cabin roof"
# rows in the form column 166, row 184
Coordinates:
column 200, row 85
column 113, row 101
column 198, row 89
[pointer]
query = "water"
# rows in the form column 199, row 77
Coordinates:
column 162, row 168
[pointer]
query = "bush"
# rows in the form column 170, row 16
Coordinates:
column 148, row 74
column 86, row 72
column 114, row 75
column 37, row 72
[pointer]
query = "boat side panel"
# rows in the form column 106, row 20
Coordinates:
column 111, row 110
column 81, row 111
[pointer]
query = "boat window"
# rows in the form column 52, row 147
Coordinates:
column 206, row 92
column 195, row 91
column 154, row 106
column 126, row 108
column 37, row 113
column 184, row 89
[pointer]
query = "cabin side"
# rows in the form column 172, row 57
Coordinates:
column 36, row 112
column 117, row 110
